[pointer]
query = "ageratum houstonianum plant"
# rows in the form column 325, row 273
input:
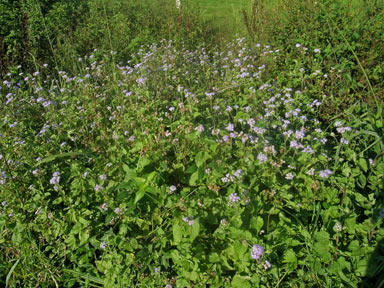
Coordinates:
column 185, row 168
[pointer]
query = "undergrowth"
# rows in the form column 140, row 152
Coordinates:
column 186, row 167
column 138, row 148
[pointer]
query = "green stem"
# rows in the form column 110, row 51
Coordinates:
column 281, row 279
column 357, row 59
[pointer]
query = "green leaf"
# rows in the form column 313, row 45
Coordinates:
column 195, row 177
column 361, row 181
column 139, row 181
column 177, row 233
column 195, row 229
column 362, row 200
column 109, row 217
column 123, row 195
column 139, row 194
column 257, row 223
column 83, row 237
column 240, row 282
column 321, row 246
column 10, row 272
column 63, row 155
column 362, row 266
column 214, row 258
column 86, row 276
column 138, row 147
column 151, row 176
column 290, row 258
column 142, row 163
column 191, row 136
column 58, row 200
column 191, row 169
column 339, row 265
column 128, row 171
column 345, row 279
column 321, row 236
column 201, row 157
column 239, row 250
column 363, row 164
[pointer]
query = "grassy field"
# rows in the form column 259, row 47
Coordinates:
column 142, row 146
column 226, row 15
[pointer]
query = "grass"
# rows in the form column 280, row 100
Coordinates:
column 154, row 153
column 226, row 15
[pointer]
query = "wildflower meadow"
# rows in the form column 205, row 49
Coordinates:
column 191, row 161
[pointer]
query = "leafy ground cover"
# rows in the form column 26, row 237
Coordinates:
column 180, row 163
column 186, row 168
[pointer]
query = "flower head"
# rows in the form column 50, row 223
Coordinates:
column 98, row 187
column 238, row 173
column 337, row 227
column 55, row 178
column 118, row 211
column 200, row 128
column 267, row 265
column 103, row 245
column 262, row 158
column 189, row 220
column 325, row 173
column 230, row 127
column 289, row 176
column 233, row 198
column 172, row 189
column 257, row 251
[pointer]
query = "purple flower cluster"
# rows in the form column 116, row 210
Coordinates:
column 189, row 220
column 55, row 178
column 267, row 265
column 233, row 198
column 325, row 173
column 172, row 189
column 103, row 245
column 342, row 130
column 262, row 158
column 257, row 251
column 98, row 187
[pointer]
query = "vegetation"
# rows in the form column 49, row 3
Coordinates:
column 139, row 148
column 58, row 32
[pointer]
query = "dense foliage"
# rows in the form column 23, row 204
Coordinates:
column 178, row 164
column 57, row 32
column 349, row 34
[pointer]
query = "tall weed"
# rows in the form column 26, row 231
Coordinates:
column 348, row 34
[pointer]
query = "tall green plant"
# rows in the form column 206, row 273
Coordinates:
column 347, row 34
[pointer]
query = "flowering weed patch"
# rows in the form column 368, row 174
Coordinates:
column 186, row 168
